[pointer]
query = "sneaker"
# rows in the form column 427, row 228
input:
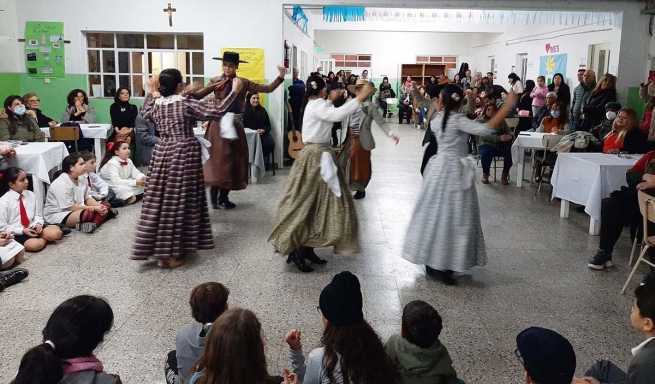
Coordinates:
column 86, row 227
column 649, row 279
column 600, row 261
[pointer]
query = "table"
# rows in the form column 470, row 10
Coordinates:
column 524, row 141
column 588, row 178
column 98, row 132
column 37, row 159
column 255, row 153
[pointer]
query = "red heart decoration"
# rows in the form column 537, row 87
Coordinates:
column 547, row 47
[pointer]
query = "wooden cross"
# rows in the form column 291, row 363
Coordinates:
column 170, row 14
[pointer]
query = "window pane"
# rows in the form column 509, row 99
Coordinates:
column 108, row 61
column 200, row 80
column 110, row 85
column 124, row 62
column 124, row 81
column 189, row 42
column 338, row 57
column 137, row 83
column 95, row 86
column 100, row 40
column 137, row 62
column 198, row 63
column 351, row 57
column 161, row 41
column 184, row 62
column 94, row 61
column 129, row 40
column 364, row 57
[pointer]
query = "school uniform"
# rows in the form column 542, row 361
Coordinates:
column 122, row 175
column 11, row 218
column 100, row 190
column 63, row 194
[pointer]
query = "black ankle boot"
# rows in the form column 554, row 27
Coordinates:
column 213, row 197
column 299, row 261
column 441, row 276
column 310, row 255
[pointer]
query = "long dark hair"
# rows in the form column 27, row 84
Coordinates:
column 13, row 127
column 169, row 79
column 529, row 86
column 66, row 164
column 9, row 175
column 112, row 147
column 514, row 77
column 118, row 94
column 452, row 97
column 73, row 94
column 76, row 327
column 463, row 68
column 363, row 358
column 234, row 350
column 248, row 97
column 310, row 91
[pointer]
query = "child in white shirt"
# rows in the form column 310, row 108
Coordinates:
column 20, row 215
column 120, row 173
column 100, row 190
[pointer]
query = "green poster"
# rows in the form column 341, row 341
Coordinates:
column 44, row 49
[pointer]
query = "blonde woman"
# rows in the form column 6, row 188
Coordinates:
column 625, row 135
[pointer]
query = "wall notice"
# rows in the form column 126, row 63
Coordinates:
column 44, row 49
column 254, row 69
column 552, row 64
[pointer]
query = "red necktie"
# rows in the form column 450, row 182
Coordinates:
column 24, row 220
column 88, row 179
column 123, row 162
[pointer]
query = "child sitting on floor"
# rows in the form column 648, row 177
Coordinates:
column 641, row 369
column 20, row 214
column 416, row 353
column 208, row 301
column 69, row 200
column 72, row 333
column 11, row 251
column 120, row 173
column 100, row 190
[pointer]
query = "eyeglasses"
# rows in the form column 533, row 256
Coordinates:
column 517, row 353
column 35, row 101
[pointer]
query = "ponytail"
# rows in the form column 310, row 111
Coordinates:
column 446, row 113
column 451, row 97
column 40, row 365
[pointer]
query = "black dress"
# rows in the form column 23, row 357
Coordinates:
column 594, row 108
column 122, row 115
column 257, row 118
column 42, row 119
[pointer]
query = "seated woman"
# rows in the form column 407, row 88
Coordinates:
column 78, row 108
column 420, row 110
column 123, row 116
column 73, row 331
column 558, row 121
column 70, row 202
column 18, row 125
column 626, row 136
column 32, row 103
column 120, row 173
column 255, row 117
column 386, row 92
column 20, row 215
column 498, row 143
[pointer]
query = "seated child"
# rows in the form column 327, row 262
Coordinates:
column 641, row 369
column 100, row 190
column 417, row 354
column 208, row 301
column 69, row 200
column 72, row 333
column 11, row 251
column 547, row 357
column 120, row 173
column 20, row 215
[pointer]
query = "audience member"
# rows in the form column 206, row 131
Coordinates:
column 641, row 369
column 350, row 347
column 478, row 82
column 332, row 82
column 208, row 301
column 146, row 137
column 593, row 110
column 32, row 102
column 498, row 143
column 490, row 77
column 515, row 82
column 421, row 110
column 20, row 214
column 581, row 93
column 123, row 116
column 386, row 92
column 557, row 121
column 562, row 90
column 538, row 95
column 405, row 104
column 625, row 135
column 74, row 330
column 78, row 108
column 100, row 190
column 457, row 80
column 544, row 110
column 296, row 95
column 546, row 356
column 417, row 355
column 19, row 125
column 406, row 85
column 117, row 170
column 462, row 71
column 255, row 117
column 647, row 122
column 524, row 104
column 430, row 84
column 605, row 128
column 467, row 80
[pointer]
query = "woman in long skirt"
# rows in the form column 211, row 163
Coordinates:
column 175, row 218
column 317, row 208
column 445, row 233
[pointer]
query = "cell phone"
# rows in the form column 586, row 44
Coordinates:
column 651, row 76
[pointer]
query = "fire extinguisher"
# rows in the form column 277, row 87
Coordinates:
column 287, row 54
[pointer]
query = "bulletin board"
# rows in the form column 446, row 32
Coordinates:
column 254, row 69
column 44, row 49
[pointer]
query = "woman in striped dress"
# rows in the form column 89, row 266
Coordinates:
column 175, row 218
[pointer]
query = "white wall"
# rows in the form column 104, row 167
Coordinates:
column 304, row 43
column 8, row 36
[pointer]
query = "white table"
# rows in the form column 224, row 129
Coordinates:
column 98, row 132
column 38, row 159
column 255, row 153
column 524, row 140
column 586, row 179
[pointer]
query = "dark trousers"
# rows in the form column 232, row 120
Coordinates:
column 615, row 213
column 170, row 369
column 335, row 136
column 384, row 106
column 606, row 372
column 488, row 152
column 430, row 151
column 404, row 110
column 218, row 194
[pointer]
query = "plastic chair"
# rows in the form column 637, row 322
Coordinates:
column 390, row 102
column 65, row 134
column 647, row 208
column 512, row 122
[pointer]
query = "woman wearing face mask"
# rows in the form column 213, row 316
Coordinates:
column 603, row 129
column 19, row 125
column 626, row 135
column 558, row 121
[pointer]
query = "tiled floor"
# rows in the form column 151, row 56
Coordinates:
column 536, row 275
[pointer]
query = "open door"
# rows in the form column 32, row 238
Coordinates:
column 599, row 58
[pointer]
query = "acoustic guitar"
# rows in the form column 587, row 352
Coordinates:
column 295, row 138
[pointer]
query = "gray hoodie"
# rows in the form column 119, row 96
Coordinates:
column 416, row 365
column 90, row 377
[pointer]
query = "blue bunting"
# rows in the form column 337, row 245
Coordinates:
column 335, row 14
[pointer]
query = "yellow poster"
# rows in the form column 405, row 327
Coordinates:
column 253, row 70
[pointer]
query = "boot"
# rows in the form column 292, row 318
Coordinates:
column 485, row 178
column 504, row 179
column 213, row 197
column 309, row 254
column 223, row 200
column 299, row 261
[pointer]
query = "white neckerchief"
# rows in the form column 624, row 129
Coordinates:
column 641, row 346
column 169, row 99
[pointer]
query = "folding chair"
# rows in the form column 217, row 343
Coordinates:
column 390, row 102
column 647, row 208
column 59, row 133
column 548, row 142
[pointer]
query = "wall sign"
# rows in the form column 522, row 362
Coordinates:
column 552, row 64
column 552, row 48
column 44, row 49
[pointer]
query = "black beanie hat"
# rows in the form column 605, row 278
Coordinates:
column 341, row 300
column 547, row 356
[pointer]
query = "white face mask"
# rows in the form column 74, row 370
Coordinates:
column 610, row 115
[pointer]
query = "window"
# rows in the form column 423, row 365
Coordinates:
column 449, row 61
column 128, row 59
column 304, row 61
column 352, row 60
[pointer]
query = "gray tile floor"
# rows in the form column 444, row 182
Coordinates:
column 536, row 275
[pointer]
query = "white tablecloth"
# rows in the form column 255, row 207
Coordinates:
column 90, row 131
column 523, row 141
column 37, row 159
column 587, row 178
column 255, row 153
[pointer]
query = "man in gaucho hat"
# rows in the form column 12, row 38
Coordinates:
column 227, row 167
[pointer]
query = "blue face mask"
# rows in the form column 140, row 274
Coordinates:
column 554, row 114
column 19, row 111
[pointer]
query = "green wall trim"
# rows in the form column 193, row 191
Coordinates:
column 10, row 84
column 635, row 102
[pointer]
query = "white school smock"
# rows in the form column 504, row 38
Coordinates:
column 10, row 211
column 10, row 250
column 122, row 178
column 63, row 194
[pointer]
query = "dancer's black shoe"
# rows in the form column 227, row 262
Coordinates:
column 299, row 261
column 227, row 204
column 441, row 276
column 310, row 255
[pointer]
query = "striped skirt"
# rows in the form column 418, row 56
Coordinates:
column 174, row 216
column 310, row 214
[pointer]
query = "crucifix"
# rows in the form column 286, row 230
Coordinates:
column 170, row 14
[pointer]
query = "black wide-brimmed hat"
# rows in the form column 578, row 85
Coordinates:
column 230, row 57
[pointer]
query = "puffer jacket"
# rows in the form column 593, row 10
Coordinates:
column 580, row 95
column 594, row 108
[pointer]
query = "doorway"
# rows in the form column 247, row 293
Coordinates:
column 599, row 58
column 522, row 66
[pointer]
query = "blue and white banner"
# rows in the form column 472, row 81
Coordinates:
column 552, row 64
